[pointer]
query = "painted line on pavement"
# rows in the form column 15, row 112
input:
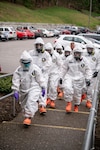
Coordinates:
column 60, row 127
column 80, row 112
column 47, row 126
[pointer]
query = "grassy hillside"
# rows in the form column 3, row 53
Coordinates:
column 17, row 13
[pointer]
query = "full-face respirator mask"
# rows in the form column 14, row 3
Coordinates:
column 39, row 48
column 25, row 64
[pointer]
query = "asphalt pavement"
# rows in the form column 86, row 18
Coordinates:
column 54, row 131
column 10, row 52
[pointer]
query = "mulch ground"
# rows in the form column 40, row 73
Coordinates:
column 6, row 109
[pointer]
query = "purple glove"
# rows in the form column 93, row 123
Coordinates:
column 43, row 92
column 16, row 95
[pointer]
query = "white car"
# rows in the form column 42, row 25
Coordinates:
column 46, row 33
column 9, row 31
column 91, row 35
column 55, row 32
column 65, row 40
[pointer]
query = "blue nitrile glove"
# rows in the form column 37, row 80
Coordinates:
column 60, row 81
column 88, row 82
column 43, row 92
column 95, row 74
column 16, row 95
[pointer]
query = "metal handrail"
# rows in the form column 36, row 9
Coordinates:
column 88, row 143
column 3, row 97
column 6, row 75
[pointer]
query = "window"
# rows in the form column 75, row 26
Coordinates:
column 78, row 40
column 1, row 29
column 68, row 38
column 6, row 29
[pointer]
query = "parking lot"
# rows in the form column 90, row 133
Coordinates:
column 10, row 52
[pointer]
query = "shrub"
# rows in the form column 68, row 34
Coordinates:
column 5, row 85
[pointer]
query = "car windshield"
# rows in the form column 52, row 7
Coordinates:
column 94, row 41
column 12, row 29
column 85, row 39
column 68, row 38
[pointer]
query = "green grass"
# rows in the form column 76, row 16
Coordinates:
column 10, row 12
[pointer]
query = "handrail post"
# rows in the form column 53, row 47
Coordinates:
column 13, row 106
column 88, row 143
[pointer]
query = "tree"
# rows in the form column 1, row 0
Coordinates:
column 75, row 4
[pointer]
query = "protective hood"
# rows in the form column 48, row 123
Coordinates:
column 26, row 57
column 48, row 46
column 39, row 40
column 67, row 48
column 58, row 46
column 78, row 53
column 78, row 49
column 90, row 45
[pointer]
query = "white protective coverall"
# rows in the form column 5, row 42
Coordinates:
column 43, row 61
column 28, row 84
column 59, row 49
column 94, row 62
column 74, row 74
column 67, row 52
column 54, row 73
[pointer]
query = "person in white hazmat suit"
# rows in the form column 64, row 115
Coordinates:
column 60, row 51
column 28, row 84
column 54, row 75
column 67, row 52
column 94, row 61
column 43, row 60
column 76, row 72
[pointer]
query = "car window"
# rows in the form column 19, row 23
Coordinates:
column 25, row 28
column 68, row 38
column 1, row 29
column 12, row 29
column 6, row 29
column 33, row 28
column 78, row 40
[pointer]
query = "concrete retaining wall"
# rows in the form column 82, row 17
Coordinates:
column 37, row 25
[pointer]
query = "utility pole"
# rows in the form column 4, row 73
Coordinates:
column 90, row 13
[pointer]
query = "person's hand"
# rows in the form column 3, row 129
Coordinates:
column 88, row 83
column 95, row 74
column 60, row 81
column 16, row 95
column 43, row 92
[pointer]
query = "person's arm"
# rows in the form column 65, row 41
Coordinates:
column 39, row 76
column 48, row 63
column 88, row 70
